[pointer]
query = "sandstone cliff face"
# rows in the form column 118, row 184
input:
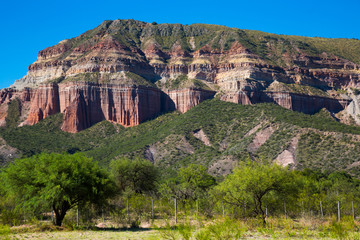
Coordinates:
column 45, row 102
column 185, row 99
column 84, row 104
column 293, row 101
column 87, row 104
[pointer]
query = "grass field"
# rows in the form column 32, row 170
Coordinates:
column 139, row 234
column 221, row 228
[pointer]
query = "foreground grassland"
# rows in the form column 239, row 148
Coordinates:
column 141, row 234
column 276, row 228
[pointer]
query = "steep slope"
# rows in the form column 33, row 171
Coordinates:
column 164, row 67
column 217, row 141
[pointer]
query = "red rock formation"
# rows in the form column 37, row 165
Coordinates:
column 45, row 102
column 87, row 104
column 293, row 101
column 183, row 100
column 237, row 97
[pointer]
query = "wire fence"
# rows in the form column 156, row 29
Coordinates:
column 133, row 211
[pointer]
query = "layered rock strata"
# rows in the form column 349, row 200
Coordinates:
column 44, row 102
column 185, row 99
column 87, row 104
column 293, row 101
column 84, row 104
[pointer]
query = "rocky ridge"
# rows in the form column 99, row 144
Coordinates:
column 121, row 70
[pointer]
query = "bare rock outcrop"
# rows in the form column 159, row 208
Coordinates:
column 185, row 99
column 288, row 157
column 45, row 102
column 260, row 138
column 200, row 134
column 293, row 101
column 353, row 109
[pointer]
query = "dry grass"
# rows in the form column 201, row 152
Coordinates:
column 277, row 228
column 141, row 234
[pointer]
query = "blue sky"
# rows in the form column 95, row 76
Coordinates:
column 30, row 26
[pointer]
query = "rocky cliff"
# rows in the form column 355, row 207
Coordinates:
column 293, row 101
column 85, row 104
column 127, row 71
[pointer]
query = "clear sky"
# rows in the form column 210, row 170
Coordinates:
column 30, row 26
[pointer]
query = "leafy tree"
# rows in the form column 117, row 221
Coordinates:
column 134, row 179
column 138, row 175
column 57, row 181
column 251, row 182
column 192, row 182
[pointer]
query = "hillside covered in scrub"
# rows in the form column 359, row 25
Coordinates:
column 215, row 134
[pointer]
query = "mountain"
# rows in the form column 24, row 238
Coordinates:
column 127, row 72
column 136, row 74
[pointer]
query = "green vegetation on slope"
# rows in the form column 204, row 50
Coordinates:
column 138, row 80
column 280, row 44
column 173, row 144
column 297, row 88
column 13, row 114
column 46, row 136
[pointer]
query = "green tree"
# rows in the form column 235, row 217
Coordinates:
column 340, row 186
column 192, row 182
column 57, row 181
column 138, row 175
column 251, row 182
column 134, row 179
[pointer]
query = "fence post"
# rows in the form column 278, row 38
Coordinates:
column 24, row 215
column 339, row 211
column 245, row 209
column 353, row 210
column 321, row 210
column 175, row 211
column 266, row 211
column 303, row 209
column 102, row 213
column 285, row 209
column 152, row 209
column 223, row 209
column 197, row 208
column 127, row 208
column 77, row 213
